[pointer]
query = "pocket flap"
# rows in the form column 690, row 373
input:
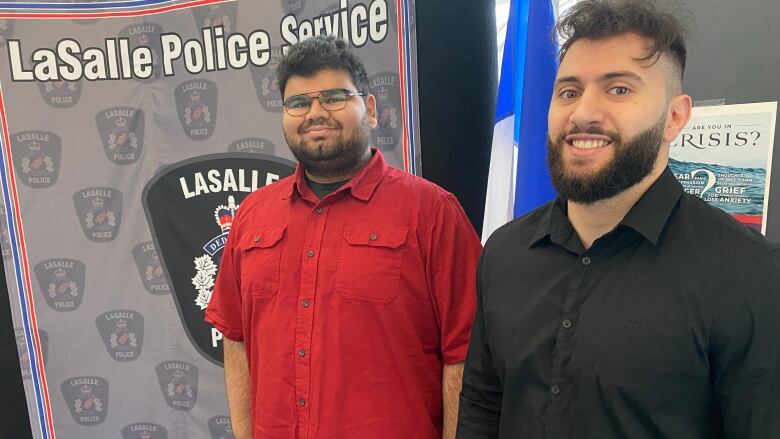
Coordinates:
column 375, row 236
column 264, row 237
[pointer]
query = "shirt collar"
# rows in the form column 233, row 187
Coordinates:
column 361, row 185
column 647, row 217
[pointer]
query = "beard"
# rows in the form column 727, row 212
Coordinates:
column 335, row 157
column 633, row 160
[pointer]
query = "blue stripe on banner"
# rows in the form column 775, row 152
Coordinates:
column 10, row 210
column 408, row 91
column 505, row 104
column 533, row 186
column 85, row 6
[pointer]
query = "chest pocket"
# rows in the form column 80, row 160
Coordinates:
column 261, row 255
column 370, row 261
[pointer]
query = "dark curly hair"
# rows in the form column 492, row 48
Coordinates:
column 602, row 19
column 315, row 54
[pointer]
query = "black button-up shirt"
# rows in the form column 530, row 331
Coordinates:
column 667, row 327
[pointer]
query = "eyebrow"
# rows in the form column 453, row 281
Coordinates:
column 622, row 74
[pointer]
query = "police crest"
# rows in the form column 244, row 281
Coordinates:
column 99, row 210
column 148, row 262
column 145, row 34
column 196, row 103
column 293, row 6
column 122, row 133
column 61, row 93
column 197, row 199
column 385, row 87
column 179, row 384
column 24, row 354
column 122, row 332
column 256, row 145
column 61, row 281
column 220, row 428
column 87, row 398
column 220, row 14
column 144, row 430
column 266, row 84
column 37, row 157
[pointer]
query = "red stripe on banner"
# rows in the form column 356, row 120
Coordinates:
column 136, row 13
column 26, row 269
column 402, row 76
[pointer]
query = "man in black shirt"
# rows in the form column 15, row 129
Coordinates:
column 625, row 308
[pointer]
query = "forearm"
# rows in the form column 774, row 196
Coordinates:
column 451, row 383
column 237, row 385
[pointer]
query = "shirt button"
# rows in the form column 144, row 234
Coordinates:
column 306, row 303
column 586, row 261
column 301, row 402
column 566, row 323
column 310, row 253
column 318, row 210
column 257, row 238
column 373, row 237
column 555, row 390
column 301, row 353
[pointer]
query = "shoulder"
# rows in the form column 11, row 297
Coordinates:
column 519, row 232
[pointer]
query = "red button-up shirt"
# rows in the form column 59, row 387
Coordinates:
column 348, row 306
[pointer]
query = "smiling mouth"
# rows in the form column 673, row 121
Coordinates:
column 589, row 144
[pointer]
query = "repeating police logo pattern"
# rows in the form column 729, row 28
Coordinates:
column 223, row 14
column 145, row 34
column 122, row 332
column 196, row 103
column 148, row 262
column 266, row 84
column 198, row 198
column 219, row 427
column 37, row 157
column 179, row 384
column 24, row 354
column 144, row 430
column 61, row 281
column 293, row 6
column 60, row 94
column 385, row 87
column 87, row 398
column 122, row 133
column 254, row 145
column 99, row 210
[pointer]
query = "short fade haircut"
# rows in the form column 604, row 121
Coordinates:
column 310, row 56
column 603, row 19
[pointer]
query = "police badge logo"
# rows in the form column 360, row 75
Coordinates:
column 62, row 282
column 122, row 332
column 24, row 355
column 222, row 14
column 144, row 430
column 148, row 262
column 99, row 210
column 266, row 84
column 293, row 6
column 61, row 93
column 145, row 34
column 37, row 157
column 122, row 133
column 256, row 145
column 196, row 103
column 87, row 398
column 220, row 428
column 197, row 199
column 385, row 87
column 179, row 384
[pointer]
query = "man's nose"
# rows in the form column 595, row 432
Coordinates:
column 589, row 110
column 316, row 111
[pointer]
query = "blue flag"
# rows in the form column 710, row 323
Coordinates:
column 519, row 180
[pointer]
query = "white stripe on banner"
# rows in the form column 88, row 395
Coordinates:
column 500, row 199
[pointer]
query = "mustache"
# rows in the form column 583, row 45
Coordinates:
column 318, row 123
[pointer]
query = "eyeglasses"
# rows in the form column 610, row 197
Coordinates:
column 331, row 100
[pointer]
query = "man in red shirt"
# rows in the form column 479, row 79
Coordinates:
column 346, row 291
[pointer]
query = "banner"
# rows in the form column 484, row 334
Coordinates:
column 724, row 156
column 132, row 131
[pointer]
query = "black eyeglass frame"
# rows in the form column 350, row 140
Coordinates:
column 347, row 93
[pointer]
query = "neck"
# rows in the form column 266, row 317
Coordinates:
column 335, row 178
column 594, row 220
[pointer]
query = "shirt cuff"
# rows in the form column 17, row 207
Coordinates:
column 221, row 327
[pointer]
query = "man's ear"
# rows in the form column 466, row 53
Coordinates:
column 677, row 116
column 371, row 110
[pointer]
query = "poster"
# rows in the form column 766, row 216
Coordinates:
column 724, row 156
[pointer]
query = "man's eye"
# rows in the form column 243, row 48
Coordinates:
column 297, row 103
column 333, row 97
column 620, row 91
column 568, row 94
